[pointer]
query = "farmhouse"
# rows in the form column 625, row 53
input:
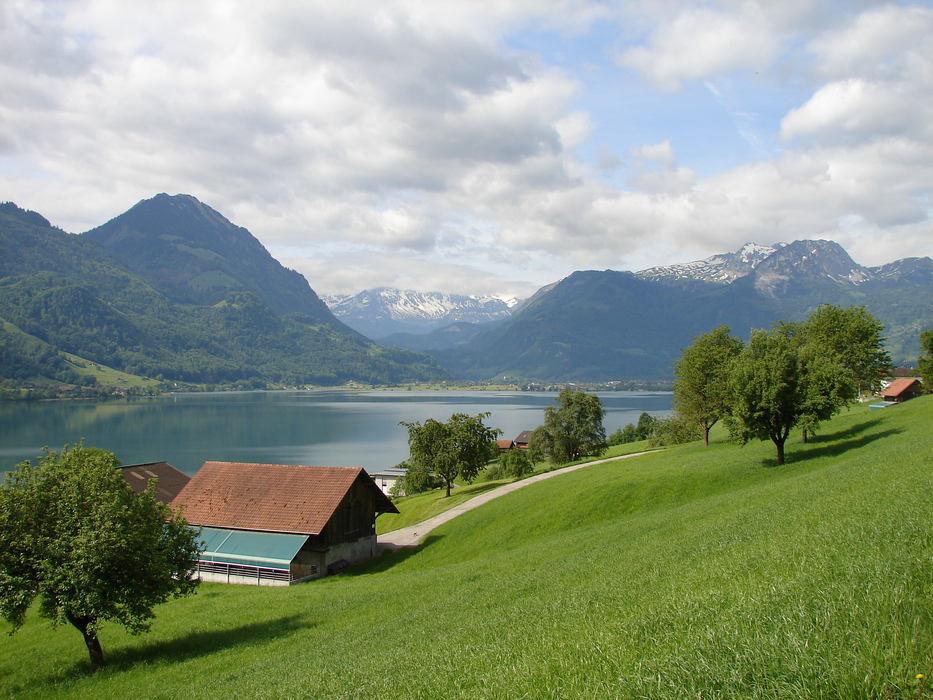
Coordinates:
column 523, row 439
column 169, row 481
column 902, row 389
column 277, row 524
column 387, row 478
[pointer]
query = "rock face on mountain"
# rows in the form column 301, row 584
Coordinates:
column 381, row 312
column 173, row 289
column 599, row 326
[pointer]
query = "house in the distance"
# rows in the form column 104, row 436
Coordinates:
column 902, row 389
column 523, row 439
column 169, row 481
column 387, row 478
column 277, row 524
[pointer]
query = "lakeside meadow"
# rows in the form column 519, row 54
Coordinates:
column 689, row 572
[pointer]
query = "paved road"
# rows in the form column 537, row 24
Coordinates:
column 412, row 536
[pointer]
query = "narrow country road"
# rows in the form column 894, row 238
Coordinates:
column 411, row 536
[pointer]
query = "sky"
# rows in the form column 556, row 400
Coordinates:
column 480, row 146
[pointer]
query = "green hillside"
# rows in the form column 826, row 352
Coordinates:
column 691, row 573
column 263, row 325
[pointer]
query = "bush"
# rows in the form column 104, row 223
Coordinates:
column 515, row 463
column 673, row 430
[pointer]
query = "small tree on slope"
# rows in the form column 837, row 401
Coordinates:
column 701, row 390
column 74, row 534
column 458, row 448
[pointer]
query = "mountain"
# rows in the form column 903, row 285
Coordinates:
column 172, row 289
column 603, row 326
column 194, row 255
column 381, row 312
column 724, row 268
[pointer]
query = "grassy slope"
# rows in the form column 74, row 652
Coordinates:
column 690, row 573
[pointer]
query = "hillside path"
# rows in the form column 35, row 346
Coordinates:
column 412, row 535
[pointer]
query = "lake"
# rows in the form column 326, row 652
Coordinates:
column 321, row 428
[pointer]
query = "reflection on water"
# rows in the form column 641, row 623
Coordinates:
column 330, row 428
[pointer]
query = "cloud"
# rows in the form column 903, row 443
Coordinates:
column 408, row 142
column 704, row 41
column 881, row 65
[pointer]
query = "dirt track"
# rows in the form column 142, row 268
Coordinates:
column 411, row 536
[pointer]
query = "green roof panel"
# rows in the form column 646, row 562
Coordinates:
column 270, row 550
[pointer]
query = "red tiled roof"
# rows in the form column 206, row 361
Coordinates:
column 269, row 497
column 169, row 481
column 899, row 386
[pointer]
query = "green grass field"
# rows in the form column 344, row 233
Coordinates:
column 689, row 573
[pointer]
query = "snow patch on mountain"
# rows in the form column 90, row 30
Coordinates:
column 724, row 268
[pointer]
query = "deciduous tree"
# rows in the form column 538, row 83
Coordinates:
column 701, row 388
column 74, row 534
column 458, row 448
column 777, row 384
column 925, row 361
column 853, row 338
column 572, row 430
column 516, row 463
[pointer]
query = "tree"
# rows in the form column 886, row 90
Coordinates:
column 573, row 430
column 701, row 388
column 74, row 534
column 852, row 337
column 516, row 463
column 458, row 448
column 673, row 430
column 925, row 361
column 634, row 432
column 776, row 384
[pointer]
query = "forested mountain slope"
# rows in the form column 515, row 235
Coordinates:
column 230, row 314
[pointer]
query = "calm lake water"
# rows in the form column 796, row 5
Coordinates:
column 322, row 428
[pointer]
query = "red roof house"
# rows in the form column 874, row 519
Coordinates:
column 279, row 523
column 902, row 389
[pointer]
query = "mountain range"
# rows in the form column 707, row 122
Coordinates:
column 609, row 325
column 173, row 290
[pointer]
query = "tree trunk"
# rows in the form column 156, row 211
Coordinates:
column 447, row 482
column 83, row 625
column 779, row 444
column 804, row 436
column 706, row 435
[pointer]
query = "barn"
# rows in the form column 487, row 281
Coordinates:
column 278, row 524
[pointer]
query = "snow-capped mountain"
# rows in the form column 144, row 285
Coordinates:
column 725, row 267
column 377, row 313
column 777, row 269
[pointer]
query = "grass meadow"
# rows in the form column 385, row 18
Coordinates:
column 687, row 573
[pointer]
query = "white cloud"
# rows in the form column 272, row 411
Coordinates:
column 377, row 144
column 703, row 41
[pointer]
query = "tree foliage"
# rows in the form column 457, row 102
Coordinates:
column 853, row 338
column 925, row 361
column 458, row 448
column 701, row 388
column 515, row 463
column 633, row 432
column 777, row 384
column 673, row 430
column 572, row 430
column 74, row 534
